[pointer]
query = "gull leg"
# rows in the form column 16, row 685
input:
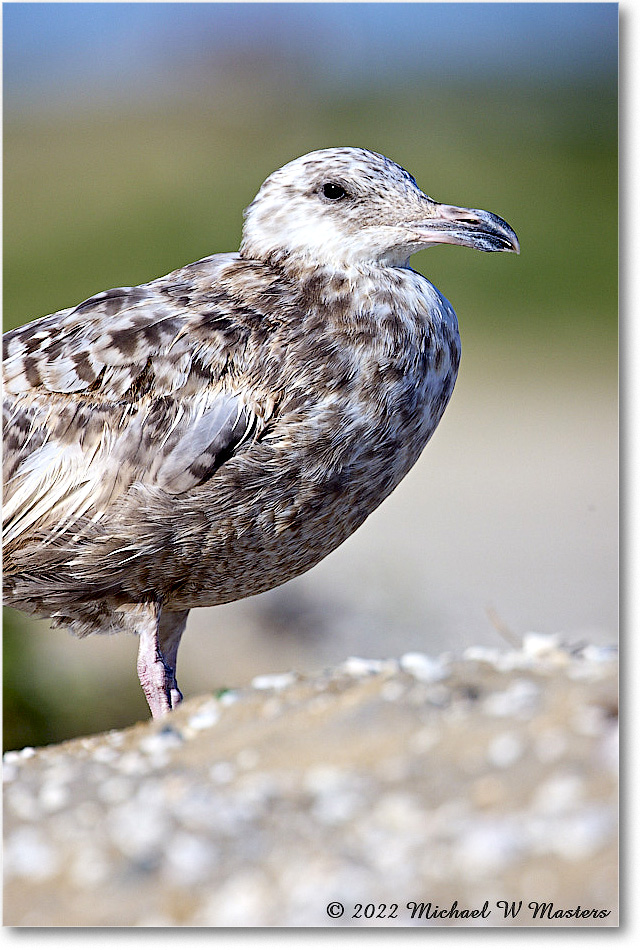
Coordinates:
column 171, row 628
column 159, row 635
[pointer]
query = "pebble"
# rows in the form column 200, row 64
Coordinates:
column 161, row 742
column 540, row 644
column 357, row 666
column 53, row 797
column 276, row 681
column 205, row 718
column 489, row 846
column 221, row 773
column 518, row 699
column 424, row 668
column 189, row 859
column 505, row 749
column 27, row 854
column 561, row 792
column 116, row 789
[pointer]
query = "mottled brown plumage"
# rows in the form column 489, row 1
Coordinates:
column 214, row 433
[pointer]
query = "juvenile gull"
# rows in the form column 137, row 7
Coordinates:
column 213, row 433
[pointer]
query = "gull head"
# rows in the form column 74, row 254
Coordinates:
column 349, row 207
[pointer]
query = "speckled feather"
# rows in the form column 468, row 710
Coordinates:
column 213, row 433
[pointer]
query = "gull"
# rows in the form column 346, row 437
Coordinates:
column 212, row 434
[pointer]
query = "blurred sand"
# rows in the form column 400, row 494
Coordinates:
column 459, row 784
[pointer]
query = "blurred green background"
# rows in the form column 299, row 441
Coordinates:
column 133, row 137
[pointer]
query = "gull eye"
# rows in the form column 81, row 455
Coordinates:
column 333, row 191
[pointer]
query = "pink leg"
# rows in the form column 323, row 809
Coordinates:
column 170, row 631
column 159, row 634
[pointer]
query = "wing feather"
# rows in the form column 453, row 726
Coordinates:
column 205, row 441
column 128, row 387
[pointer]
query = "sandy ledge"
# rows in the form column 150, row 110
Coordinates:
column 463, row 784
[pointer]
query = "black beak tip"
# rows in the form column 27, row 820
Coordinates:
column 503, row 235
column 512, row 246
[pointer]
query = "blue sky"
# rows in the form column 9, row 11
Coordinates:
column 53, row 49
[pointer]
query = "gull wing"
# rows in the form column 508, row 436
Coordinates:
column 128, row 387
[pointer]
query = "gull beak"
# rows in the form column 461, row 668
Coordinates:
column 466, row 226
